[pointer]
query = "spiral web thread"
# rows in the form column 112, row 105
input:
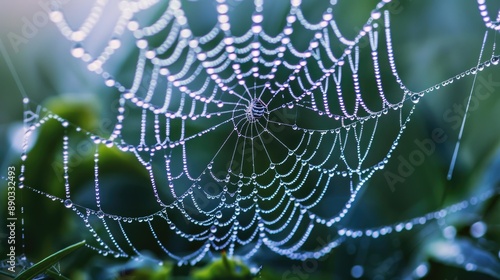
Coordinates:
column 273, row 171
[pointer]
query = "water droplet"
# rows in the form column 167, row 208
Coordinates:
column 218, row 215
column 77, row 51
column 294, row 127
column 357, row 271
column 68, row 203
column 421, row 270
column 110, row 82
column 376, row 14
column 470, row 267
column 494, row 60
column 449, row 232
column 478, row 229
column 100, row 214
column 272, row 166
column 115, row 43
column 415, row 98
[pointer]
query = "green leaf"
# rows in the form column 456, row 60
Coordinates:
column 447, row 251
column 6, row 274
column 224, row 268
column 48, row 262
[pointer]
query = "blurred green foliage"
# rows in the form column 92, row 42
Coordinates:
column 223, row 268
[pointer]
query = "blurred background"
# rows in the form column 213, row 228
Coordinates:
column 433, row 40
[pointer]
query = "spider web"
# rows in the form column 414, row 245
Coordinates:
column 247, row 136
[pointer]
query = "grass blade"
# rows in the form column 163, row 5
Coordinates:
column 48, row 262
